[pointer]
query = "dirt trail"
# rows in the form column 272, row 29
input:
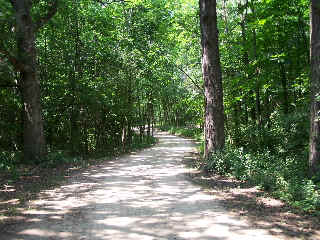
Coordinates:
column 141, row 196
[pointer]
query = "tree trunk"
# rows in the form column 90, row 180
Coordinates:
column 314, row 151
column 303, row 31
column 130, row 113
column 245, row 58
column 212, row 76
column 149, row 117
column 257, row 87
column 236, row 114
column 33, row 135
column 284, row 84
column 267, row 109
column 74, row 82
column 25, row 63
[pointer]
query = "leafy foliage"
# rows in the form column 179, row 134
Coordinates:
column 110, row 72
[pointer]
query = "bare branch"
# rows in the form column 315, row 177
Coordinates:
column 53, row 8
column 108, row 2
column 192, row 80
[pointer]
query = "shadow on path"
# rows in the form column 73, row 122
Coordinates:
column 141, row 196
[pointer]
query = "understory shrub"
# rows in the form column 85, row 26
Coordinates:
column 59, row 158
column 138, row 142
column 285, row 178
column 9, row 160
column 192, row 132
column 284, row 134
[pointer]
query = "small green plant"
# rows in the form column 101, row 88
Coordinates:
column 285, row 178
column 9, row 162
column 138, row 142
column 189, row 132
column 57, row 158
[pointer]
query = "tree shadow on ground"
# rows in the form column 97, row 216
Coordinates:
column 118, row 201
column 248, row 201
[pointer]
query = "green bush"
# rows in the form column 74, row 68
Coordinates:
column 189, row 132
column 138, row 142
column 9, row 160
column 284, row 134
column 58, row 158
column 285, row 178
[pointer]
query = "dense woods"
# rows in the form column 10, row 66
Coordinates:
column 86, row 77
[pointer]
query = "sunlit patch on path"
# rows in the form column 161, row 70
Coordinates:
column 142, row 196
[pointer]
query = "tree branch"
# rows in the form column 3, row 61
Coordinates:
column 192, row 80
column 107, row 2
column 53, row 8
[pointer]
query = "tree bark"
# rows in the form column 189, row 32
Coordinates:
column 34, row 141
column 314, row 151
column 285, row 93
column 212, row 76
column 257, row 87
column 74, row 79
column 34, row 144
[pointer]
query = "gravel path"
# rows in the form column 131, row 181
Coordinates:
column 141, row 196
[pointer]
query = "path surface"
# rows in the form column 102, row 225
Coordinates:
column 142, row 196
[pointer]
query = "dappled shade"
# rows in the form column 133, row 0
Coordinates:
column 144, row 195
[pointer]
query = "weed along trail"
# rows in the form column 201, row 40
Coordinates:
column 141, row 196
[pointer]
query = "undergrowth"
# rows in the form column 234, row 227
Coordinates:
column 23, row 179
column 11, row 162
column 275, row 168
column 284, row 177
column 195, row 133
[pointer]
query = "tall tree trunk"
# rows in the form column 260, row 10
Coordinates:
column 245, row 58
column 257, row 87
column 149, row 117
column 75, row 75
column 236, row 114
column 34, row 144
column 33, row 135
column 130, row 111
column 225, row 16
column 314, row 151
column 284, row 84
column 302, row 30
column 212, row 76
column 267, row 109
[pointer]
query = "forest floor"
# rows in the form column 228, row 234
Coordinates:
column 151, row 194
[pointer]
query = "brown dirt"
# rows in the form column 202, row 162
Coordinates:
column 144, row 195
column 257, row 206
